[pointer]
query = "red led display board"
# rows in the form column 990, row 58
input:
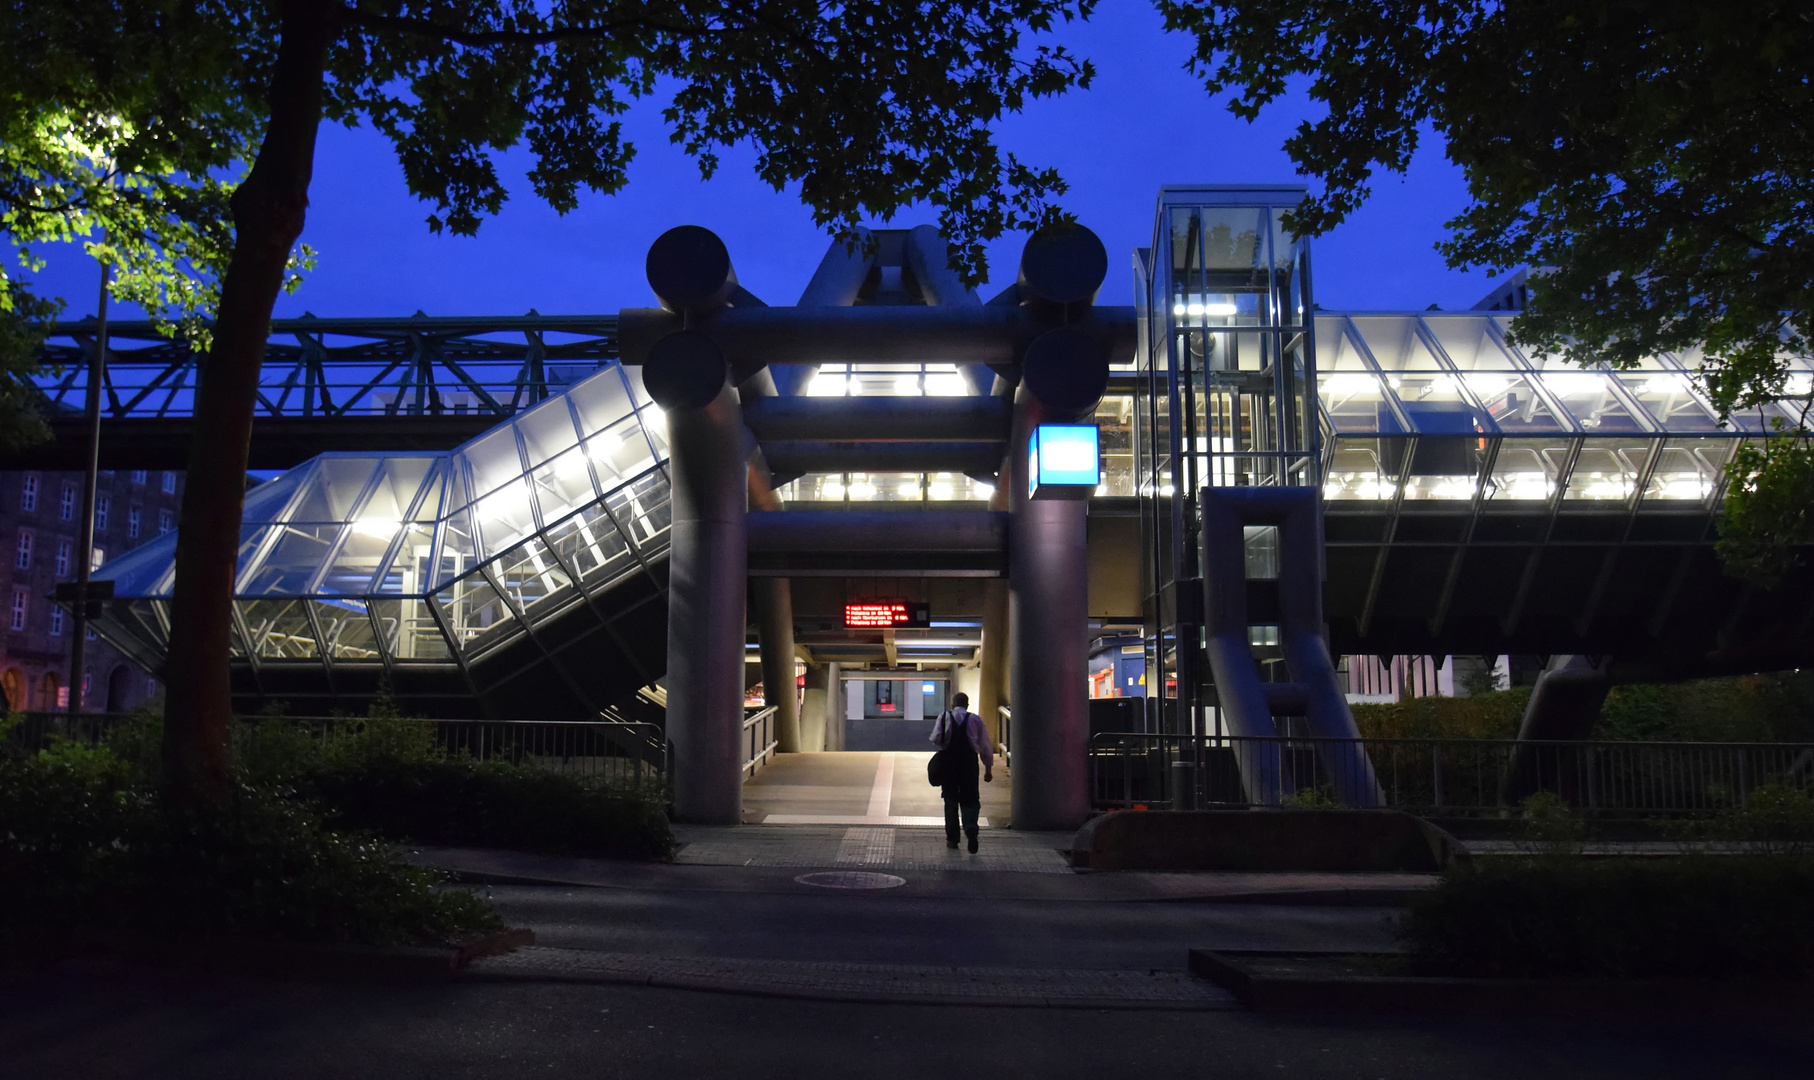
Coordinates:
column 881, row 614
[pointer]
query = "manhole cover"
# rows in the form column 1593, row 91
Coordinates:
column 851, row 879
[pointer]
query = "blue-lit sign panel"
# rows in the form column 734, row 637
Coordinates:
column 1064, row 461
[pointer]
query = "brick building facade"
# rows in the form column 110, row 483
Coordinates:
column 40, row 532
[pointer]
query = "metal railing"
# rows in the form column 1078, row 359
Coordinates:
column 759, row 740
column 1007, row 733
column 593, row 750
column 1457, row 777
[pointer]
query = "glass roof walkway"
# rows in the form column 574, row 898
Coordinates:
column 525, row 567
column 524, row 573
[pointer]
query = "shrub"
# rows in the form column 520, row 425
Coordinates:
column 1547, row 825
column 457, row 800
column 1696, row 916
column 1486, row 716
column 81, row 842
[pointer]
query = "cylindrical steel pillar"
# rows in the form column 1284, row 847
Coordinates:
column 1048, row 627
column 707, row 578
column 991, row 692
column 774, row 611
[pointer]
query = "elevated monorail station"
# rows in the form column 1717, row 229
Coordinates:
column 894, row 489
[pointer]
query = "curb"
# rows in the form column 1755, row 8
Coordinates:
column 403, row 965
column 1166, row 991
column 1266, row 991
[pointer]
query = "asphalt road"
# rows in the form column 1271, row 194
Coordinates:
column 99, row 1022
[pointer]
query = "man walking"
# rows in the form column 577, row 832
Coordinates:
column 962, row 740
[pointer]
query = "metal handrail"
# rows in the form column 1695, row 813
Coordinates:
column 759, row 740
column 1461, row 777
column 1007, row 730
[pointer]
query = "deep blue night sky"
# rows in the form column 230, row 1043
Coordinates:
column 1144, row 123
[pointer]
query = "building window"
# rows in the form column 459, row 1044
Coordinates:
column 96, row 556
column 87, row 684
column 169, row 483
column 66, row 503
column 138, row 477
column 23, row 560
column 150, row 688
column 101, row 506
column 164, row 522
column 21, row 607
column 64, row 549
column 28, row 493
column 90, row 636
column 56, row 621
column 132, row 522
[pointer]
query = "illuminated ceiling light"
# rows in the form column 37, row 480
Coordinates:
column 1574, row 383
column 378, row 528
column 1348, row 382
column 907, row 386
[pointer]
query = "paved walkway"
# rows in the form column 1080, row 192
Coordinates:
column 884, row 788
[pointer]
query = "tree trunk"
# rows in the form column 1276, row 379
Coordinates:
column 268, row 212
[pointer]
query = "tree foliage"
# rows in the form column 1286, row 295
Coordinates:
column 144, row 111
column 1652, row 157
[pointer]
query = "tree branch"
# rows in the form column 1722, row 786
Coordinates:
column 484, row 39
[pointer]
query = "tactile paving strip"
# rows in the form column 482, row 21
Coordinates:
column 831, row 847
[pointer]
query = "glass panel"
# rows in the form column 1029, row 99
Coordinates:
column 564, row 485
column 265, row 501
column 590, row 544
column 1435, row 405
column 504, row 516
column 1515, row 408
column 1357, row 472
column 280, row 629
column 1607, row 470
column 1395, row 343
column 641, row 508
column 884, row 487
column 1670, row 401
column 475, row 613
column 399, row 482
column 438, row 491
column 633, row 376
column 346, row 631
column 1115, row 422
column 149, row 625
column 1590, row 398
column 529, row 575
column 1687, row 471
column 619, row 453
column 361, row 551
column 408, row 631
column 1526, row 472
column 291, row 562
column 655, row 427
column 408, row 571
column 458, row 551
column 601, row 400
column 1356, row 402
column 333, row 489
column 1469, row 342
column 1335, row 347
column 144, row 571
column 547, row 430
column 493, row 460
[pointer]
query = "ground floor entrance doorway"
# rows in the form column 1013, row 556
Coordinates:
column 858, row 788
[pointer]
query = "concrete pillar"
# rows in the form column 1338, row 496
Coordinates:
column 708, row 564
column 1048, row 623
column 814, row 705
column 990, row 696
column 772, row 606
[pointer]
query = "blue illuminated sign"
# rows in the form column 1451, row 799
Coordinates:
column 1064, row 460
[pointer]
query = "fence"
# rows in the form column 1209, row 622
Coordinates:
column 596, row 751
column 1458, row 777
column 1007, row 736
column 759, row 741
